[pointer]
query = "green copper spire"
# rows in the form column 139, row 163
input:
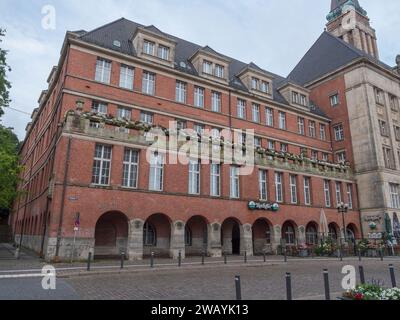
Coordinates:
column 338, row 5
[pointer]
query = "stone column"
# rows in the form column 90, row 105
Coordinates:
column 301, row 237
column 177, row 240
column 357, row 38
column 135, row 240
column 364, row 41
column 375, row 46
column 214, row 246
column 370, row 48
column 276, row 237
column 246, row 240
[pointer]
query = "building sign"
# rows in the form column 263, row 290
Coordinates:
column 372, row 218
column 375, row 236
column 263, row 206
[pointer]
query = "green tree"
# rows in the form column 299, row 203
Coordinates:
column 9, row 167
column 4, row 83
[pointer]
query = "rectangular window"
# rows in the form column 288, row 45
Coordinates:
column 264, row 86
column 234, row 178
column 383, row 128
column 130, row 168
column 241, row 109
column 303, row 100
column 322, row 131
column 146, row 117
column 215, row 187
column 325, row 157
column 295, row 97
column 149, row 83
column 124, row 113
column 181, row 124
column 180, row 92
column 199, row 128
column 307, row 191
column 269, row 115
column 255, row 83
column 293, row 189
column 219, row 71
column 126, row 77
column 207, row 67
column 300, row 124
column 279, row 187
column 282, row 120
column 271, row 145
column 311, row 129
column 156, row 175
column 339, row 133
column 256, row 112
column 102, row 165
column 341, row 157
column 379, row 96
column 263, row 184
column 257, row 142
column 103, row 71
column 148, row 47
column 163, row 52
column 99, row 107
column 284, row 147
column 216, row 101
column 389, row 158
column 334, row 100
column 314, row 155
column 327, row 192
column 194, row 177
column 394, row 103
column 338, row 187
column 397, row 132
column 199, row 97
column 394, row 196
column 350, row 196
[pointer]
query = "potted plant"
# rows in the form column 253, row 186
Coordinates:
column 366, row 292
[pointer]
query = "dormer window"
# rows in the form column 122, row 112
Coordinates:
column 148, row 47
column 219, row 71
column 298, row 98
column 207, row 67
column 264, row 86
column 163, row 52
column 254, row 83
column 259, row 85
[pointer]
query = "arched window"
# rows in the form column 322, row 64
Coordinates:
column 332, row 232
column 149, row 235
column 350, row 235
column 311, row 235
column 268, row 234
column 188, row 237
column 289, row 234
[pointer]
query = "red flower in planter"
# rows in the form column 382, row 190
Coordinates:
column 359, row 296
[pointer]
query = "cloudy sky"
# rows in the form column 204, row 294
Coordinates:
column 274, row 34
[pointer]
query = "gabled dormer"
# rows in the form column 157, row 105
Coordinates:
column 257, row 80
column 295, row 94
column 52, row 76
column 152, row 44
column 210, row 64
column 42, row 96
column 34, row 114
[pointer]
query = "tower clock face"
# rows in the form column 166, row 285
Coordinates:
column 349, row 19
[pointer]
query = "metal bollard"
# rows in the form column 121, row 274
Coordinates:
column 225, row 259
column 180, row 258
column 285, row 255
column 359, row 255
column 326, row 283
column 122, row 259
column 152, row 260
column 238, row 288
column 381, row 254
column 362, row 275
column 89, row 261
column 392, row 276
column 245, row 257
column 265, row 258
column 288, row 286
column 340, row 254
column 203, row 255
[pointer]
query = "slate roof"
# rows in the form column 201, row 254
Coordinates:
column 123, row 30
column 326, row 55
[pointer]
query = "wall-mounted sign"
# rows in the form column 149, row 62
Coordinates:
column 263, row 206
column 375, row 236
column 372, row 218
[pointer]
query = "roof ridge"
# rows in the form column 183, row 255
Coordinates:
column 107, row 25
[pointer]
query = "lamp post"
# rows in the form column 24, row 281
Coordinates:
column 343, row 208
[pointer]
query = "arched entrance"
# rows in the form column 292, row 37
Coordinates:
column 196, row 236
column 231, row 236
column 312, row 234
column 157, row 235
column 333, row 231
column 351, row 233
column 262, row 236
column 289, row 235
column 111, row 235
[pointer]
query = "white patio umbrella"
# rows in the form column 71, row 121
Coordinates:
column 323, row 225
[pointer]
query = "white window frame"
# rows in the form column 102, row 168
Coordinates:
column 156, row 175
column 339, row 132
column 100, row 107
column 180, row 91
column 394, row 195
column 207, row 67
column 215, row 180
column 312, row 129
column 219, row 71
column 194, row 177
column 307, row 191
column 322, row 131
column 149, row 83
column 103, row 70
column 199, row 94
column 130, row 171
column 338, row 190
column 149, row 47
column 265, row 86
column 255, row 112
column 282, row 120
column 293, row 189
column 327, row 193
column 241, row 108
column 263, row 184
column 334, row 99
column 216, row 101
column 269, row 117
column 126, row 77
column 301, row 125
column 234, row 182
column 146, row 117
column 124, row 113
column 350, row 195
column 279, row 187
column 163, row 52
column 104, row 165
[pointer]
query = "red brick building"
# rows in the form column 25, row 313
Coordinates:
column 85, row 154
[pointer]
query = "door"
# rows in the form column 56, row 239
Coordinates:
column 236, row 239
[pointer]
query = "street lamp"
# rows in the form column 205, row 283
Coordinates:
column 343, row 208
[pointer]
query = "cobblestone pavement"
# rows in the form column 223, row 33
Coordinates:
column 258, row 282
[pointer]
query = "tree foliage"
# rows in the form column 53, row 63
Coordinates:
column 4, row 83
column 9, row 167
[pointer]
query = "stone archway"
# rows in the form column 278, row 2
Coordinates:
column 111, row 235
column 157, row 235
column 231, row 236
column 196, row 236
column 289, row 233
column 334, row 231
column 262, row 236
column 312, row 234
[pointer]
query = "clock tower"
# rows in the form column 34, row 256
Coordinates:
column 347, row 20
